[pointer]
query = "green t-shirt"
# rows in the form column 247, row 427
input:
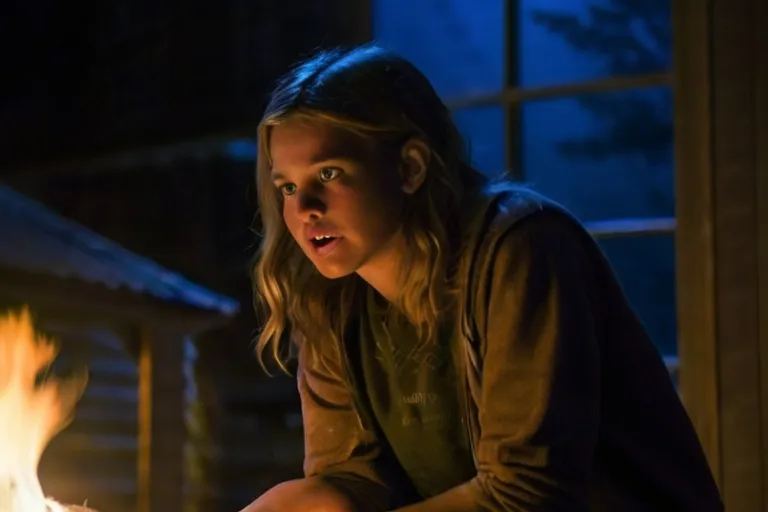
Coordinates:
column 412, row 389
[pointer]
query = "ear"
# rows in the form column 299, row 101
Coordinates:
column 415, row 157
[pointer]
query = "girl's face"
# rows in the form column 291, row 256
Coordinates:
column 340, row 202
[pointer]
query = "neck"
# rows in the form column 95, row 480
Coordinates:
column 382, row 271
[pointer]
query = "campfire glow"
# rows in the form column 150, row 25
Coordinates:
column 32, row 412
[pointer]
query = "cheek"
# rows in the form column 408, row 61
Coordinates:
column 381, row 213
column 387, row 200
column 292, row 221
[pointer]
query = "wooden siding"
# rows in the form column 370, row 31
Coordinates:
column 94, row 459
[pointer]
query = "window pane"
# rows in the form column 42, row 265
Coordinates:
column 604, row 155
column 458, row 44
column 574, row 40
column 646, row 268
column 483, row 131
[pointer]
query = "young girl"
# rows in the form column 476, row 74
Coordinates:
column 462, row 345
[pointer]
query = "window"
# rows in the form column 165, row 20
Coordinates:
column 572, row 96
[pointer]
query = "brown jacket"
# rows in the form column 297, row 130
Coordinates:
column 568, row 404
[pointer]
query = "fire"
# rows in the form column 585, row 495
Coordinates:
column 32, row 412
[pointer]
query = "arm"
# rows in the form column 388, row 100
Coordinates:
column 539, row 392
column 338, row 450
column 340, row 462
column 301, row 495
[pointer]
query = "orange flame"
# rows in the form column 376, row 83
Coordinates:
column 31, row 412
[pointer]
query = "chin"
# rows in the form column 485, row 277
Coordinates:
column 335, row 265
column 334, row 271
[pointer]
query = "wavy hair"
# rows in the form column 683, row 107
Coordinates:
column 382, row 98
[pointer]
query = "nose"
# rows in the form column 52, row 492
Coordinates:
column 310, row 206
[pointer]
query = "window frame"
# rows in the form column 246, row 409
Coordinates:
column 512, row 97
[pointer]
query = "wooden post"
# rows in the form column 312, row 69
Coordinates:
column 721, row 57
column 162, row 429
column 760, row 20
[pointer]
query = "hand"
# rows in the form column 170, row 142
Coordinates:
column 303, row 495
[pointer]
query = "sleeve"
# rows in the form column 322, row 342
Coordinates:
column 539, row 390
column 337, row 447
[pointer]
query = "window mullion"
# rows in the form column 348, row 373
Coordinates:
column 513, row 135
column 515, row 95
column 631, row 227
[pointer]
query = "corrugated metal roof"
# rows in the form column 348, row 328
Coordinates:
column 36, row 239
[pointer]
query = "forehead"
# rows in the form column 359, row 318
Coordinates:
column 302, row 143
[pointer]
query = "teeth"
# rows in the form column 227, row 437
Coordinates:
column 323, row 237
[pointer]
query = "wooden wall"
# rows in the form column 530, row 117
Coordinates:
column 138, row 441
column 94, row 459
column 721, row 117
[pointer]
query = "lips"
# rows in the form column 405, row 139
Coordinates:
column 325, row 245
column 323, row 239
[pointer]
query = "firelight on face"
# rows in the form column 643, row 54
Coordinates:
column 342, row 209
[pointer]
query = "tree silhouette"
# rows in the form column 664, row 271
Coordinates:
column 627, row 37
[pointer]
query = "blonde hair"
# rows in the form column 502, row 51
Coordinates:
column 384, row 100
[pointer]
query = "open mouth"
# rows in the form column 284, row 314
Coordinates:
column 324, row 244
column 322, row 241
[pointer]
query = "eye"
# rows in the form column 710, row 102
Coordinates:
column 288, row 189
column 329, row 173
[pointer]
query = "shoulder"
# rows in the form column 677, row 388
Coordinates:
column 516, row 229
column 545, row 249
column 520, row 221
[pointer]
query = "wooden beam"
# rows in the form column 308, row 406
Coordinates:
column 695, row 235
column 759, row 21
column 162, row 428
column 720, row 57
column 203, row 148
